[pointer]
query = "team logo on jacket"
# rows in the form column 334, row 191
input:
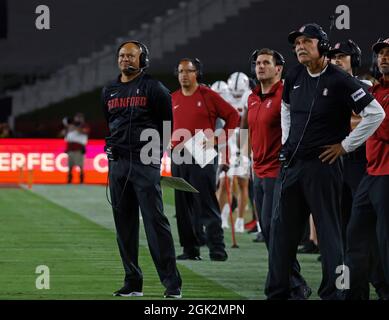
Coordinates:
column 127, row 102
column 268, row 105
column 199, row 103
column 325, row 92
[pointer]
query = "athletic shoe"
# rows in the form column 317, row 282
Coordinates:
column 239, row 225
column 253, row 229
column 173, row 294
column 259, row 237
column 218, row 256
column 186, row 256
column 302, row 292
column 308, row 248
column 126, row 291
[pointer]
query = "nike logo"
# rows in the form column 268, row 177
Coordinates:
column 114, row 94
column 176, row 106
column 252, row 103
column 295, row 87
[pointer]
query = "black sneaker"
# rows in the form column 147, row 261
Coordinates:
column 173, row 294
column 186, row 256
column 259, row 237
column 308, row 248
column 127, row 291
column 219, row 256
column 253, row 229
column 302, row 292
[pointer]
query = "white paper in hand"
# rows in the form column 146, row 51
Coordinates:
column 201, row 155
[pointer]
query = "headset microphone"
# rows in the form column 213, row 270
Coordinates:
column 131, row 69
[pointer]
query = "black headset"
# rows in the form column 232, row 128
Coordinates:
column 356, row 54
column 197, row 64
column 324, row 43
column 278, row 57
column 144, row 60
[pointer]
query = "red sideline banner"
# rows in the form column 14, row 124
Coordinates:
column 45, row 161
column 29, row 161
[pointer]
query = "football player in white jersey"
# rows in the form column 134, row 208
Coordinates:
column 239, row 172
column 221, row 88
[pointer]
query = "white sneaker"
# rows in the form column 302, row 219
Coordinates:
column 225, row 215
column 239, row 225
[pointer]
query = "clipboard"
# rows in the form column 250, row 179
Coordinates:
column 178, row 184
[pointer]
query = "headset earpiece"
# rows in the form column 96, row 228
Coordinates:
column 199, row 67
column 356, row 56
column 323, row 46
column 280, row 60
column 253, row 62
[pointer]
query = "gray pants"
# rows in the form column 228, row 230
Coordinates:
column 75, row 158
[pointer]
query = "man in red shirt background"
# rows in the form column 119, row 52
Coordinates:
column 370, row 213
column 196, row 107
column 263, row 120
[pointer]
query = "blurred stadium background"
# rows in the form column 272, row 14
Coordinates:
column 50, row 74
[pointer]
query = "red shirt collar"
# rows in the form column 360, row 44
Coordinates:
column 381, row 84
column 258, row 90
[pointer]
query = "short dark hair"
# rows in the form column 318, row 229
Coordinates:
column 269, row 52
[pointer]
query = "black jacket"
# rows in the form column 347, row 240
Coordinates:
column 130, row 108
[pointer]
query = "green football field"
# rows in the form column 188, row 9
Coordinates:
column 70, row 230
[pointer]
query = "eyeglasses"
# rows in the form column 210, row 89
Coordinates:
column 186, row 71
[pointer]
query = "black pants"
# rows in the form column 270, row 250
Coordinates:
column 369, row 223
column 264, row 200
column 354, row 168
column 307, row 186
column 141, row 190
column 252, row 197
column 196, row 211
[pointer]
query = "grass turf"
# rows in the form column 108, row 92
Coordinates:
column 70, row 229
column 82, row 255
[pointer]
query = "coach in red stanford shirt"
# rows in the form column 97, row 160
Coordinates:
column 197, row 107
column 263, row 119
column 370, row 213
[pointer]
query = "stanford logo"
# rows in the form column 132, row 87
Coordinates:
column 127, row 102
column 337, row 46
column 302, row 29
